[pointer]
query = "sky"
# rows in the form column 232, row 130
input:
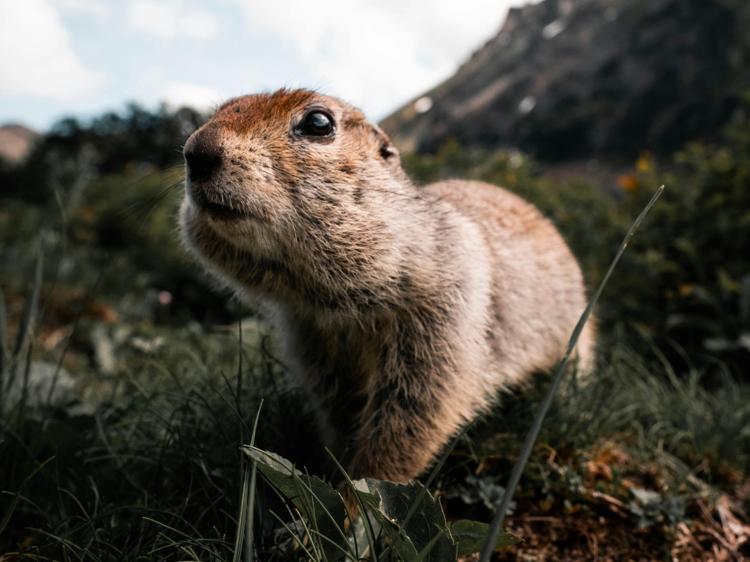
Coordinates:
column 83, row 57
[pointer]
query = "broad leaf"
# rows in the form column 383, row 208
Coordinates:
column 316, row 500
column 470, row 536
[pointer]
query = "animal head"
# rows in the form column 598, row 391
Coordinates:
column 291, row 180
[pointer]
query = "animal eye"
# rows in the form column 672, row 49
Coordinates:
column 316, row 124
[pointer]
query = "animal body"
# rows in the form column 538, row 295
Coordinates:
column 402, row 309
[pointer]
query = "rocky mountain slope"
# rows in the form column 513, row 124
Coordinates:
column 565, row 79
column 16, row 142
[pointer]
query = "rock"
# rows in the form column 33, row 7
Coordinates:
column 104, row 351
column 46, row 385
column 567, row 79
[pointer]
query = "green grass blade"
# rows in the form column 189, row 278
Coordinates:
column 362, row 508
column 3, row 339
column 249, row 538
column 425, row 552
column 536, row 426
column 30, row 308
column 241, row 515
column 314, row 498
column 14, row 502
column 300, row 540
column 247, row 505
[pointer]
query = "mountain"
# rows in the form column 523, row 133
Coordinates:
column 16, row 142
column 565, row 79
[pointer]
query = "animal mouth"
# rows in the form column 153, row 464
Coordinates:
column 221, row 209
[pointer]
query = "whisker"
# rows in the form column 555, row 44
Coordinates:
column 146, row 206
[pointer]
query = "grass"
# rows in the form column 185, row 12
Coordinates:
column 560, row 370
column 148, row 467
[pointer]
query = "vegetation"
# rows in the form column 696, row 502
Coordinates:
column 684, row 285
column 129, row 386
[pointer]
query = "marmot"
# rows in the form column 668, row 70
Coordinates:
column 402, row 309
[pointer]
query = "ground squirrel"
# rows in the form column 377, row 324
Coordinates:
column 402, row 309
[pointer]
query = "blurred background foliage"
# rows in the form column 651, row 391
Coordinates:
column 684, row 284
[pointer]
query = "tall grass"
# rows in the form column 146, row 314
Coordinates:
column 156, row 473
column 560, row 370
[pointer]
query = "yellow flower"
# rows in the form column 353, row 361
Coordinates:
column 645, row 163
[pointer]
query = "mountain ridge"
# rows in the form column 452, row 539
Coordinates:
column 16, row 141
column 566, row 79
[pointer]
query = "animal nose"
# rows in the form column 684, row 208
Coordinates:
column 202, row 159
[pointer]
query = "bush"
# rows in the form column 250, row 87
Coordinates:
column 691, row 273
column 112, row 143
column 684, row 284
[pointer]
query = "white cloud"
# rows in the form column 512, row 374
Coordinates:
column 199, row 96
column 156, row 85
column 97, row 9
column 379, row 54
column 168, row 19
column 37, row 57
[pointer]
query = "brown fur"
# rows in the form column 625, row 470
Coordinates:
column 402, row 309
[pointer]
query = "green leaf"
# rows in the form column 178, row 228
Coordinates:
column 470, row 536
column 395, row 535
column 314, row 498
column 426, row 529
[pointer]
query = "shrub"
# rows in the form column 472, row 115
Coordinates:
column 684, row 284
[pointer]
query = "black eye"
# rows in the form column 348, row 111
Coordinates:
column 316, row 124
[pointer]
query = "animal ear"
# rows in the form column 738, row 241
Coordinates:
column 386, row 150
